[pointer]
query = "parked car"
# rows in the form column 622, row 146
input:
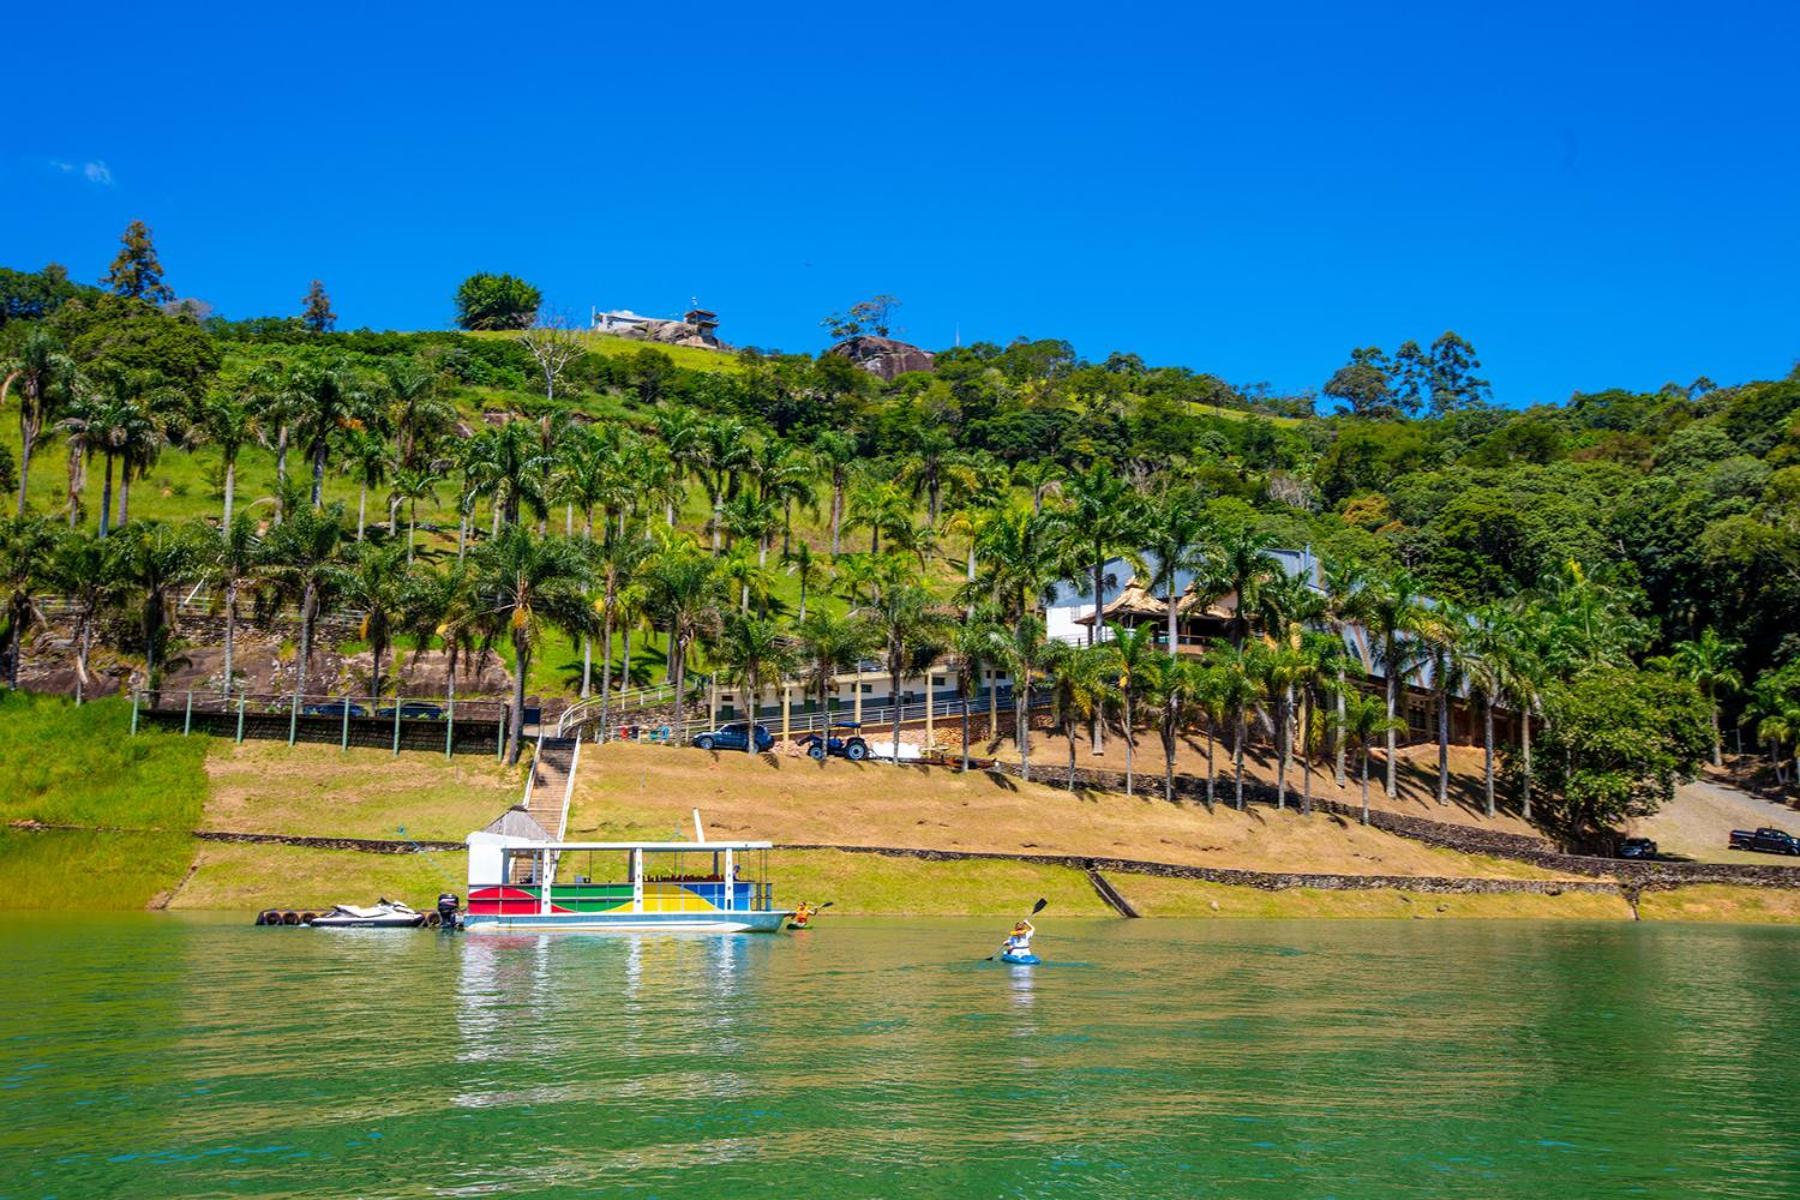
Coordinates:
column 1766, row 840
column 335, row 708
column 733, row 737
column 1637, row 847
column 841, row 745
column 414, row 710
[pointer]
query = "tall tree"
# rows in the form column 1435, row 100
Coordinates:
column 137, row 272
column 912, row 631
column 375, row 581
column 1710, row 662
column 333, row 399
column 315, row 310
column 1397, row 616
column 1077, row 691
column 303, row 559
column 529, row 585
column 754, row 650
column 27, row 545
column 1178, row 536
column 42, row 377
column 1130, row 655
column 486, row 301
column 232, row 556
column 682, row 591
column 1103, row 519
column 84, row 573
column 156, row 560
column 1025, row 653
column 227, row 421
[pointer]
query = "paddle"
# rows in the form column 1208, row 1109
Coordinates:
column 1035, row 910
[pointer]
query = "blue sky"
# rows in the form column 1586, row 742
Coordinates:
column 1602, row 197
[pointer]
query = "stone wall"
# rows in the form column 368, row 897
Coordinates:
column 1465, row 839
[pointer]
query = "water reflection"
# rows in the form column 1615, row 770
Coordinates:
column 170, row 1058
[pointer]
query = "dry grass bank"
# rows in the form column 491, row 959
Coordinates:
column 1155, row 896
column 627, row 791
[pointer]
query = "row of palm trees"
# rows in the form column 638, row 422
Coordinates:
column 622, row 561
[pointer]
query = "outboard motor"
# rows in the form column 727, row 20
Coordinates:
column 446, row 907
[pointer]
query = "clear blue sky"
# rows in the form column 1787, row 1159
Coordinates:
column 1594, row 194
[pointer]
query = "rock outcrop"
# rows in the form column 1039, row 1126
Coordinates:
column 882, row 356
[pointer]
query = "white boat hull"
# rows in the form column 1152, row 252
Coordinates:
column 615, row 922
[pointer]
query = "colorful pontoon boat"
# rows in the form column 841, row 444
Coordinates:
column 520, row 884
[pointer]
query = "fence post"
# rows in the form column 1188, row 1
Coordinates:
column 396, row 724
column 345, row 746
column 134, row 712
column 240, row 728
column 449, row 726
column 500, row 734
column 187, row 720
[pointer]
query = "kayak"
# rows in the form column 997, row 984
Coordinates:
column 1021, row 960
column 792, row 925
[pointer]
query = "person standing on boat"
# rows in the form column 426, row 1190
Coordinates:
column 1019, row 941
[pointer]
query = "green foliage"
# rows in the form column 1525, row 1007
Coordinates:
column 486, row 301
column 1616, row 742
column 136, row 273
column 69, row 765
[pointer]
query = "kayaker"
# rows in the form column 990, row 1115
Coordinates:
column 1019, row 941
column 803, row 916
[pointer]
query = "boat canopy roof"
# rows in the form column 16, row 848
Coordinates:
column 652, row 847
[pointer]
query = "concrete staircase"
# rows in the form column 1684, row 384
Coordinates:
column 547, row 791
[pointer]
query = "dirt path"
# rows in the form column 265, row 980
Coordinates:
column 1698, row 822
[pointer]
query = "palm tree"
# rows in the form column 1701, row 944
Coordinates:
column 1176, row 534
column 1130, row 653
column 1025, row 652
column 1239, row 669
column 114, row 424
column 1077, row 690
column 1346, row 593
column 233, row 556
column 683, row 437
column 911, row 631
column 828, row 645
column 411, row 485
column 682, row 590
column 1280, row 668
column 42, row 376
column 332, row 398
column 278, row 403
column 83, row 571
column 1103, row 518
column 155, row 560
column 1245, row 568
column 26, row 549
column 754, row 650
column 725, row 452
column 881, row 507
column 526, row 585
column 230, row 423
column 971, row 648
column 302, row 559
column 1043, row 476
column 928, row 460
column 1171, row 682
column 1490, row 659
column 417, row 410
column 836, row 452
column 444, row 604
column 740, row 567
column 619, row 559
column 1708, row 661
column 807, row 568
column 1442, row 636
column 367, row 452
column 1397, row 616
column 1365, row 720
column 375, row 581
column 1323, row 664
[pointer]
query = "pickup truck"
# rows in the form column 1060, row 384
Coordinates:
column 1767, row 840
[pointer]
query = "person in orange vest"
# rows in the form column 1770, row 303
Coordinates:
column 803, row 916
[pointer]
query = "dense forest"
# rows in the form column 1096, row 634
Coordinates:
column 1625, row 561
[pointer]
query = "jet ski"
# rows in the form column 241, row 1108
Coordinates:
column 385, row 914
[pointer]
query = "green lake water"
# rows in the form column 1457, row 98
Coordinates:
column 179, row 1057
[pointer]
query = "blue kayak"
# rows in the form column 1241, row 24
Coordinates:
column 1021, row 960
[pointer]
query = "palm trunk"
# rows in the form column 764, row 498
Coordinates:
column 625, row 660
column 318, row 482
column 306, row 609
column 1365, row 785
column 231, row 594
column 1174, row 601
column 1211, row 775
column 1487, row 746
column 362, row 508
column 77, row 480
column 81, row 658
column 1168, row 741
column 375, row 649
column 1237, row 757
column 230, row 490
column 1392, row 784
column 516, row 719
column 1069, row 732
column 752, row 711
column 1306, row 763
column 680, row 676
column 124, row 495
column 837, row 512
column 894, row 696
column 1443, row 787
column 1718, row 749
column 1128, row 741
column 1022, row 729
column 1281, row 754
column 27, row 435
column 1338, row 741
column 106, row 490
column 1525, row 745
column 412, row 528
column 606, row 628
column 1095, row 729
column 587, row 665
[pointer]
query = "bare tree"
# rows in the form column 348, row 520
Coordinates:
column 553, row 346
